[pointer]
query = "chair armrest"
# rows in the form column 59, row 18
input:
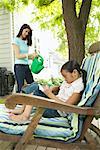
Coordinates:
column 38, row 101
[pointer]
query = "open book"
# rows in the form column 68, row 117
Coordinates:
column 41, row 88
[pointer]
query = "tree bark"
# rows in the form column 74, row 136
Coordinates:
column 76, row 27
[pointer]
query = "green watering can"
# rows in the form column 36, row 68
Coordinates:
column 37, row 64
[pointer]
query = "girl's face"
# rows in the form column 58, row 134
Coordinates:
column 70, row 77
column 25, row 33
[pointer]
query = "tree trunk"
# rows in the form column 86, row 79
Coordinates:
column 76, row 39
column 76, row 27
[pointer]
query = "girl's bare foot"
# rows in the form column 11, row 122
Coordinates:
column 18, row 118
column 15, row 111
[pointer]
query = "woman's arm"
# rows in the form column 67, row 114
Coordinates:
column 17, row 52
column 33, row 55
column 19, row 56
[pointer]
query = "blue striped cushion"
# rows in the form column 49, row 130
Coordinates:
column 58, row 127
column 92, row 67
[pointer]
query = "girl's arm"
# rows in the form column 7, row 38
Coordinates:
column 55, row 89
column 73, row 100
column 48, row 91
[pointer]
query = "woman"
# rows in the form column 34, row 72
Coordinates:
column 21, row 45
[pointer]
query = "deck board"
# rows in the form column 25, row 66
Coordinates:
column 41, row 148
column 5, row 145
column 9, row 146
column 31, row 147
column 49, row 148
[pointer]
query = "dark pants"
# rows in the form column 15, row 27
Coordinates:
column 48, row 113
column 22, row 72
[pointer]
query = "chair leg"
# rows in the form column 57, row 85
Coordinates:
column 90, row 140
column 30, row 129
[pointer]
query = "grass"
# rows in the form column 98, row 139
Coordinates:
column 2, row 101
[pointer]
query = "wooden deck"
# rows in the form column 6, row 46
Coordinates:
column 9, row 146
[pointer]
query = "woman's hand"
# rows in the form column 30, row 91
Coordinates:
column 33, row 55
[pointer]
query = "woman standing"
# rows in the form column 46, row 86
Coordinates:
column 21, row 45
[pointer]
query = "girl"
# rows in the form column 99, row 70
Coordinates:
column 69, row 91
column 21, row 45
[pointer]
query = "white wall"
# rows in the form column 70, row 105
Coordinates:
column 5, row 39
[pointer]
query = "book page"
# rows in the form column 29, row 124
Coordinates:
column 41, row 88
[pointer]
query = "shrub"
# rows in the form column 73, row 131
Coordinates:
column 50, row 82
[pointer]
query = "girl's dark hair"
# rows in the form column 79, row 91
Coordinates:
column 29, row 37
column 73, row 64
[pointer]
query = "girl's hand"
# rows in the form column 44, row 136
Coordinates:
column 47, row 90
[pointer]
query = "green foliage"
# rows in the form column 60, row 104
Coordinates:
column 12, row 5
column 78, row 6
column 50, row 82
column 56, row 81
column 49, row 17
column 2, row 101
column 48, row 14
column 9, row 5
column 40, row 3
column 55, row 22
column 93, row 26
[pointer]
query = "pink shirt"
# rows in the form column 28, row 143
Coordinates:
column 66, row 90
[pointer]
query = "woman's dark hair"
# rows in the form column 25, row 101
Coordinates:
column 73, row 64
column 29, row 37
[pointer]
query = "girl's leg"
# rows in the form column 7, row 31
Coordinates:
column 30, row 88
column 48, row 113
column 40, row 93
column 24, row 116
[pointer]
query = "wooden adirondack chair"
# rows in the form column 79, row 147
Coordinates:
column 42, row 103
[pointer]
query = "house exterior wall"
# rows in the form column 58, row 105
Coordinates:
column 6, row 55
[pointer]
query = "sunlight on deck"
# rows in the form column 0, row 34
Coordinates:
column 9, row 146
